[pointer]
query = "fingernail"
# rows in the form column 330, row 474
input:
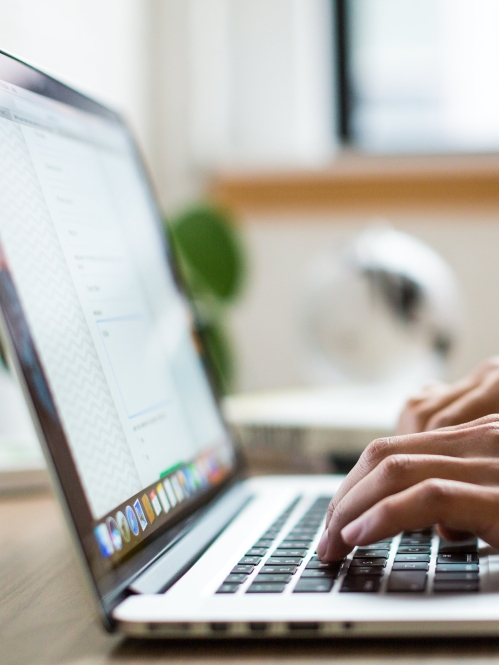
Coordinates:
column 352, row 531
column 322, row 547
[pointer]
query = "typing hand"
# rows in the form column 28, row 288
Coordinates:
column 441, row 405
column 448, row 477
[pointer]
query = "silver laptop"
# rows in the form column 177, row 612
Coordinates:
column 173, row 539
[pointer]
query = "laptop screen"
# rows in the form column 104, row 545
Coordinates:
column 86, row 281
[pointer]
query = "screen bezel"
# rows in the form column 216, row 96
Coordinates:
column 109, row 583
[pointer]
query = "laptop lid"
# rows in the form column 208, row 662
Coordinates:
column 100, row 330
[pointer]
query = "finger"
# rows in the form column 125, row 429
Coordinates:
column 491, row 418
column 430, row 390
column 488, row 366
column 480, row 401
column 437, row 397
column 476, row 439
column 419, row 410
column 455, row 505
column 395, row 474
column 451, row 534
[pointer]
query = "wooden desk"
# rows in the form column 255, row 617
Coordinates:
column 45, row 617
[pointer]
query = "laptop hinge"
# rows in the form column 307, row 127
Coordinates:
column 169, row 567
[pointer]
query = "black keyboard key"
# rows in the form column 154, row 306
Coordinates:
column 362, row 563
column 236, row 578
column 417, row 532
column 457, row 567
column 463, row 546
column 413, row 581
column 370, row 554
column 404, row 558
column 317, row 564
column 311, row 585
column 252, row 560
column 299, row 536
column 283, row 561
column 264, row 543
column 317, row 573
column 427, row 545
column 257, row 551
column 280, row 553
column 366, row 570
column 262, row 587
column 377, row 546
column 312, row 516
column 455, row 557
column 410, row 565
column 294, row 544
column 410, row 542
column 451, row 577
column 272, row 570
column 272, row 579
column 243, row 569
column 270, row 535
column 228, row 588
column 411, row 549
column 360, row 584
column 456, row 586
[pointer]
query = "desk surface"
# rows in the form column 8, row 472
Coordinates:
column 45, row 616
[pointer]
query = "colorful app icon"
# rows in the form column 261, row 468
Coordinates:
column 172, row 497
column 104, row 540
column 182, row 479
column 162, row 497
column 132, row 520
column 189, row 477
column 140, row 514
column 115, row 534
column 177, row 488
column 195, row 476
column 148, row 508
column 212, row 465
column 203, row 471
column 155, row 502
column 123, row 526
column 214, row 471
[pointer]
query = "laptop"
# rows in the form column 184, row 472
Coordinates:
column 173, row 539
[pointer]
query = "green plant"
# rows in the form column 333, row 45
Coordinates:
column 211, row 261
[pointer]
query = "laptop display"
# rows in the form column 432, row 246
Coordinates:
column 105, row 336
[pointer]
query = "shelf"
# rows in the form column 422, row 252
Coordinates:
column 360, row 182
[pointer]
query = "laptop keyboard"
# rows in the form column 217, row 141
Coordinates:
column 415, row 562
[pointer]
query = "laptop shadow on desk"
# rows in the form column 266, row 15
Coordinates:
column 255, row 650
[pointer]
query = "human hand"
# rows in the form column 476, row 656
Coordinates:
column 448, row 477
column 441, row 405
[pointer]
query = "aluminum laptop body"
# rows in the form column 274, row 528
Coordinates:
column 174, row 541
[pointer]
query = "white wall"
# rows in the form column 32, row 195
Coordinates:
column 102, row 46
column 265, row 324
column 240, row 84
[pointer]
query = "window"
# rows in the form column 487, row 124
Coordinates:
column 418, row 75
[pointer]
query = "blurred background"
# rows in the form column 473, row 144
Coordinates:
column 309, row 123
